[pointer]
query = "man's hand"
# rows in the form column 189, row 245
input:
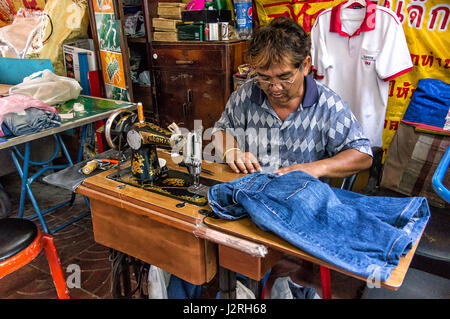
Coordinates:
column 343, row 164
column 242, row 162
column 314, row 169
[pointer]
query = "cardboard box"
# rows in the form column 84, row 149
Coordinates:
column 172, row 5
column 70, row 53
column 170, row 36
column 190, row 31
column 171, row 12
column 206, row 16
column 165, row 24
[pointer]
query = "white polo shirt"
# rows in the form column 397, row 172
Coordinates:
column 356, row 52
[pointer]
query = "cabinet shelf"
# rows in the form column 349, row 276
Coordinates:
column 136, row 39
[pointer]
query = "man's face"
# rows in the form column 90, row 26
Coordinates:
column 283, row 82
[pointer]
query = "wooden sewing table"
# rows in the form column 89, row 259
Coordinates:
column 187, row 243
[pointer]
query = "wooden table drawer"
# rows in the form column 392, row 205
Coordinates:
column 179, row 252
column 188, row 58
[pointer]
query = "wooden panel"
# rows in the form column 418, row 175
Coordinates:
column 186, row 96
column 208, row 99
column 143, row 94
column 171, row 96
column 194, row 59
column 245, row 264
column 173, row 249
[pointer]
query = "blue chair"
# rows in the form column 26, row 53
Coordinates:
column 439, row 174
column 428, row 277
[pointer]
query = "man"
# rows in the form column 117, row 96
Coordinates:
column 302, row 124
column 285, row 121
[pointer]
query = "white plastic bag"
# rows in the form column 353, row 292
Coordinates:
column 243, row 292
column 158, row 281
column 48, row 87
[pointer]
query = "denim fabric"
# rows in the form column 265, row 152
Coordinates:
column 181, row 289
column 30, row 121
column 365, row 235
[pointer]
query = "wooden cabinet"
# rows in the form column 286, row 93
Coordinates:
column 193, row 80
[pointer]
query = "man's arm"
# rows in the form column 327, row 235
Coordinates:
column 227, row 147
column 343, row 164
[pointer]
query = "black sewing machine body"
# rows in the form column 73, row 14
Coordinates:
column 145, row 170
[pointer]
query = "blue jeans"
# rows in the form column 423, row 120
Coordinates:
column 365, row 235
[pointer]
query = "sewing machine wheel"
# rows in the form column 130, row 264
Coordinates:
column 117, row 126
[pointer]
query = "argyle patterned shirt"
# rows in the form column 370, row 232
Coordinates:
column 322, row 126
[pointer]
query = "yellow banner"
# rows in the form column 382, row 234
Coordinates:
column 425, row 23
column 28, row 4
column 303, row 12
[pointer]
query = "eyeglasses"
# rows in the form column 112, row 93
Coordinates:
column 284, row 84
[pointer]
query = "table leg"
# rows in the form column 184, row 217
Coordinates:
column 120, row 278
column 23, row 175
column 27, row 180
column 227, row 283
column 98, row 125
column 326, row 282
column 255, row 287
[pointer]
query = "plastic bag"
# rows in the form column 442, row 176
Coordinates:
column 243, row 292
column 48, row 87
column 158, row 281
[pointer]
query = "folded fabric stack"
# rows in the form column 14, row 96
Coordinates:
column 29, row 121
column 20, row 115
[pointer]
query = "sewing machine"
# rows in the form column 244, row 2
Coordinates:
column 126, row 129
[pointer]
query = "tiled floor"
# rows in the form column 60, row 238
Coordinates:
column 76, row 245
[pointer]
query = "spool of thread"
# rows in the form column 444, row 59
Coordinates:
column 89, row 167
column 140, row 110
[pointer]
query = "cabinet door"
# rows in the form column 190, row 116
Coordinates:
column 171, row 97
column 185, row 96
column 205, row 96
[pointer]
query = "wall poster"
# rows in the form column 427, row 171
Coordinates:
column 108, row 31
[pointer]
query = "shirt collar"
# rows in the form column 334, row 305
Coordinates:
column 368, row 23
column 311, row 93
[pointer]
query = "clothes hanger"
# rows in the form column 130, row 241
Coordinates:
column 349, row 3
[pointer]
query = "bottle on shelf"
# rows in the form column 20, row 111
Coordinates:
column 243, row 13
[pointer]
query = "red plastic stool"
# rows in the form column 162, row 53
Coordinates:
column 20, row 242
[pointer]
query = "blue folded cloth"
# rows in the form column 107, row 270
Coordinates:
column 29, row 121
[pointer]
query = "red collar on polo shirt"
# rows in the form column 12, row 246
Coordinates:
column 366, row 25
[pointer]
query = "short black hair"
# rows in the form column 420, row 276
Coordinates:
column 281, row 41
